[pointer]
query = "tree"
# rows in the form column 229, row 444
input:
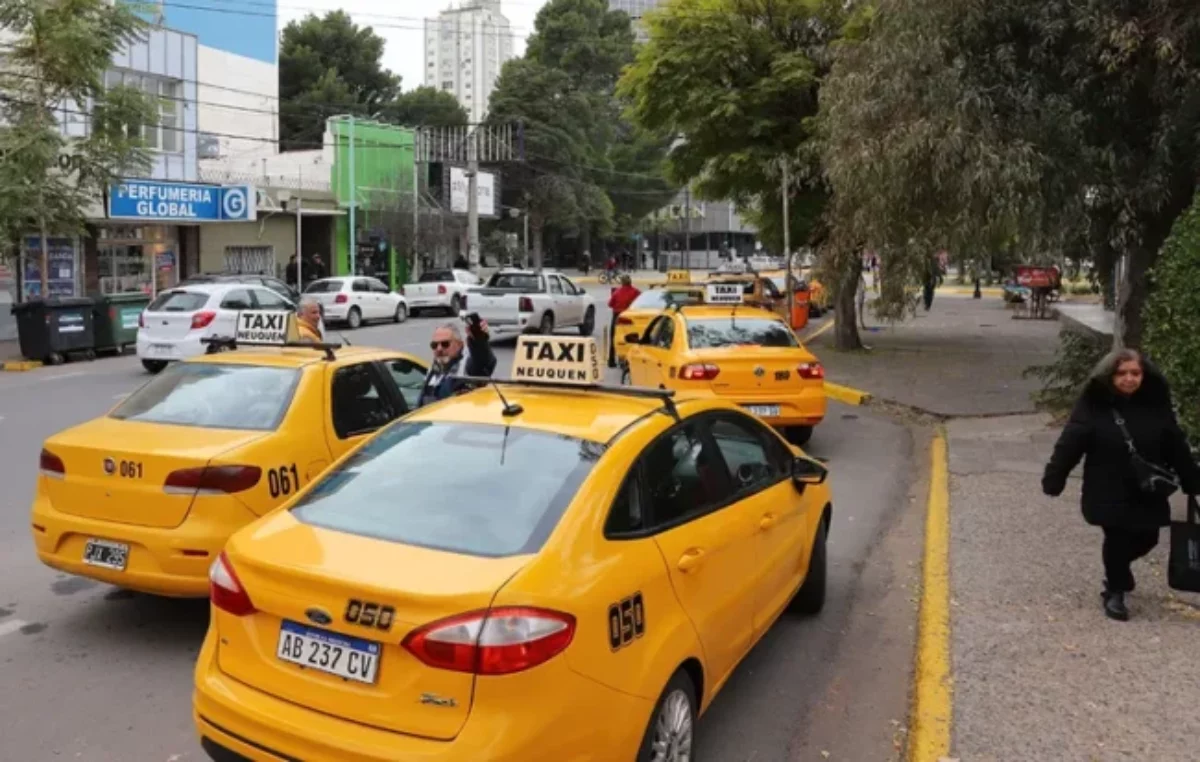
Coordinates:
column 57, row 60
column 425, row 106
column 327, row 66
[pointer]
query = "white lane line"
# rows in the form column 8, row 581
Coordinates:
column 11, row 626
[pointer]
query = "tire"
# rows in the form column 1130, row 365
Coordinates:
column 675, row 711
column 799, row 435
column 589, row 323
column 154, row 366
column 354, row 318
column 55, row 358
column 455, row 305
column 401, row 313
column 546, row 327
column 90, row 354
column 810, row 598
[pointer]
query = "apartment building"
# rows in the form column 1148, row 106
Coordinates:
column 465, row 47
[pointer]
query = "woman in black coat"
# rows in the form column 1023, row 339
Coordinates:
column 1123, row 385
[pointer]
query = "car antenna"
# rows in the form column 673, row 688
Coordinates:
column 343, row 338
column 510, row 409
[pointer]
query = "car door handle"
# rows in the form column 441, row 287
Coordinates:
column 690, row 560
column 768, row 521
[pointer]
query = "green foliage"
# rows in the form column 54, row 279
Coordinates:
column 425, row 106
column 1172, row 319
column 1063, row 379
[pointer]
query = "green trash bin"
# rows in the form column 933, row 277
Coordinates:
column 116, row 319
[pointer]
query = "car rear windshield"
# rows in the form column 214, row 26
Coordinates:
column 474, row 489
column 658, row 297
column 710, row 333
column 323, row 287
column 178, row 301
column 436, row 276
column 514, row 280
column 211, row 396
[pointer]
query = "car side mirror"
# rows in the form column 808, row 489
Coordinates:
column 633, row 338
column 808, row 471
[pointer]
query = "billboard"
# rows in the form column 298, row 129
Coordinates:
column 485, row 188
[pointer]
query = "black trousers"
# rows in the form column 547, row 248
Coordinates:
column 612, row 342
column 1122, row 547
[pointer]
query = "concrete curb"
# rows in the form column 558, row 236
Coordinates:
column 932, row 710
column 846, row 394
column 18, row 366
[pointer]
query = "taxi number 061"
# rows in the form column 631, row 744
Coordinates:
column 283, row 480
column 626, row 621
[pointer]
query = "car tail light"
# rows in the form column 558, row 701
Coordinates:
column 811, row 370
column 624, row 321
column 225, row 589
column 441, row 289
column 212, row 480
column 699, row 372
column 495, row 642
column 202, row 319
column 525, row 304
column 141, row 320
column 341, row 299
column 51, row 465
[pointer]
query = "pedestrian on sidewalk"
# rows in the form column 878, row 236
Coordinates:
column 619, row 302
column 1124, row 429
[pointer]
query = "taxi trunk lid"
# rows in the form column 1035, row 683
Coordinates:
column 116, row 470
column 316, row 582
column 758, row 372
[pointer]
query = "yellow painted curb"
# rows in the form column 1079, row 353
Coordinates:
column 816, row 333
column 846, row 394
column 932, row 710
column 17, row 366
column 986, row 291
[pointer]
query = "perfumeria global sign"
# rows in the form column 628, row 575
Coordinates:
column 152, row 201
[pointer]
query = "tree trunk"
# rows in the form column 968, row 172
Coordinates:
column 585, row 241
column 45, row 256
column 845, row 328
column 535, row 230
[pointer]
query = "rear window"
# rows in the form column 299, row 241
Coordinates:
column 324, row 287
column 658, row 298
column 465, row 488
column 437, row 276
column 246, row 397
column 514, row 280
column 709, row 333
column 178, row 301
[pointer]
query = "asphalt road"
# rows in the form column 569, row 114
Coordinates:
column 90, row 672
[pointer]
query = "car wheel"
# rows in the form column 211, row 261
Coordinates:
column 589, row 323
column 54, row 358
column 799, row 435
column 455, row 305
column 354, row 318
column 546, row 327
column 154, row 366
column 401, row 313
column 810, row 598
column 671, row 733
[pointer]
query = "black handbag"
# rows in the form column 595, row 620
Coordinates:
column 1152, row 478
column 1183, row 570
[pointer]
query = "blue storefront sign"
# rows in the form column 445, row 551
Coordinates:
column 154, row 201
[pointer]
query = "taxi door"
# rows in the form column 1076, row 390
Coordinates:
column 649, row 361
column 359, row 401
column 709, row 544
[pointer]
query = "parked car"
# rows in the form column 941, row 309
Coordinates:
column 250, row 279
column 440, row 289
column 356, row 299
column 171, row 327
column 524, row 301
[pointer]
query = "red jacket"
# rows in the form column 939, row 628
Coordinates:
column 623, row 297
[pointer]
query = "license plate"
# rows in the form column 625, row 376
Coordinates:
column 764, row 411
column 348, row 658
column 105, row 553
column 160, row 350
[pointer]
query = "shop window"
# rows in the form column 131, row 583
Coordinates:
column 254, row 260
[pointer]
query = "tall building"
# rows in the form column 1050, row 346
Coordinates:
column 465, row 47
column 636, row 9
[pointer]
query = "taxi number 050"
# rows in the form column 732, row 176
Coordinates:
column 283, row 480
column 626, row 621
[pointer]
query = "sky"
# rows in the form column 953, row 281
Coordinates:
column 401, row 24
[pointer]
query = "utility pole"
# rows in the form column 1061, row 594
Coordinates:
column 353, row 203
column 525, row 238
column 473, row 201
column 787, row 243
column 687, row 229
column 416, row 256
column 299, row 246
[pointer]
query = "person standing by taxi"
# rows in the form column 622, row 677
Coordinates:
column 619, row 302
column 453, row 358
column 309, row 323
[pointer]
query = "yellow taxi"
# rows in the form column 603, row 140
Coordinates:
column 745, row 354
column 146, row 496
column 651, row 303
column 540, row 569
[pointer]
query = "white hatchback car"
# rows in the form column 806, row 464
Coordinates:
column 171, row 327
column 356, row 299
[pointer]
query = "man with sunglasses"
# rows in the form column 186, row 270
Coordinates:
column 453, row 359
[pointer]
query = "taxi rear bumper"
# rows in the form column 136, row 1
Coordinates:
column 805, row 407
column 171, row 562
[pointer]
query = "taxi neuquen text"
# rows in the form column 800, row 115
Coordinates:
column 145, row 497
column 741, row 353
column 522, row 572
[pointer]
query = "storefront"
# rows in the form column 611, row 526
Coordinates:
column 137, row 259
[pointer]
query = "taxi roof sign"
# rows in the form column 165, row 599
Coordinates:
column 678, row 276
column 275, row 327
column 724, row 293
column 557, row 359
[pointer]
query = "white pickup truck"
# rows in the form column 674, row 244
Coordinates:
column 441, row 290
column 514, row 302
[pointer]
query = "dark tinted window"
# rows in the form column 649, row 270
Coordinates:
column 436, row 276
column 360, row 285
column 324, row 287
column 628, row 514
column 213, row 396
column 515, row 280
column 378, row 286
column 708, row 333
column 753, row 464
column 665, row 334
column 466, row 488
column 555, row 285
column 682, row 476
column 269, row 300
column 178, row 301
column 360, row 404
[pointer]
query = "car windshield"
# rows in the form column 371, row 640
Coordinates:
column 211, row 396
column 437, row 276
column 178, row 301
column 659, row 297
column 710, row 333
column 475, row 489
column 514, row 280
column 323, row 287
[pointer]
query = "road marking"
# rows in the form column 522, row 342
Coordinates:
column 846, row 394
column 932, row 710
column 817, row 332
column 11, row 626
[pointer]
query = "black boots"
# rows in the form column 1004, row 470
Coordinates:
column 1114, row 606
